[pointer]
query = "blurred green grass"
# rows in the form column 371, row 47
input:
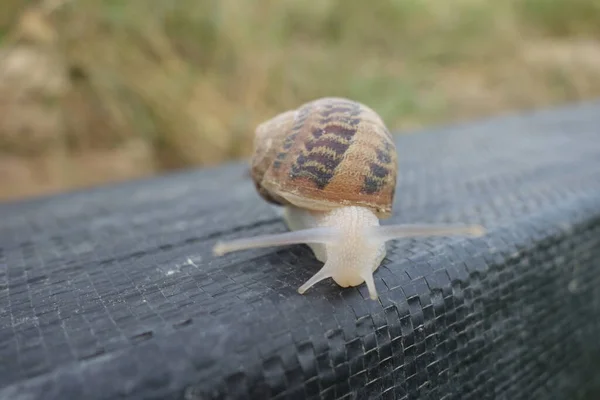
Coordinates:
column 134, row 87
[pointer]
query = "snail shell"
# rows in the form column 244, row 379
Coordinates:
column 328, row 153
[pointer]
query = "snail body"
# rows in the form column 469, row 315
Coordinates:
column 332, row 165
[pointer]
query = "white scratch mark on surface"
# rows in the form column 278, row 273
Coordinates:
column 177, row 267
column 190, row 262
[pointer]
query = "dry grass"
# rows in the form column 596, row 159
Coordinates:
column 95, row 91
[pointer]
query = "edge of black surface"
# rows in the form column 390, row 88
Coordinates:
column 555, row 111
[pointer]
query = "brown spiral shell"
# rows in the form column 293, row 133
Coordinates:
column 327, row 153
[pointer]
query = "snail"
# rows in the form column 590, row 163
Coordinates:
column 332, row 165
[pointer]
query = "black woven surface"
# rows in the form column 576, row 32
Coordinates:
column 113, row 293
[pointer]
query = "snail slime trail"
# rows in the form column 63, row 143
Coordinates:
column 332, row 165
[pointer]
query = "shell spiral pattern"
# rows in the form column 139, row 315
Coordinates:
column 328, row 153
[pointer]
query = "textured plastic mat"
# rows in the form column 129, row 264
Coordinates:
column 113, row 292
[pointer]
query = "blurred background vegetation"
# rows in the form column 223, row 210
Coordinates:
column 96, row 91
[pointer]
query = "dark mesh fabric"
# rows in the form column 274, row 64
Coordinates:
column 113, row 293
